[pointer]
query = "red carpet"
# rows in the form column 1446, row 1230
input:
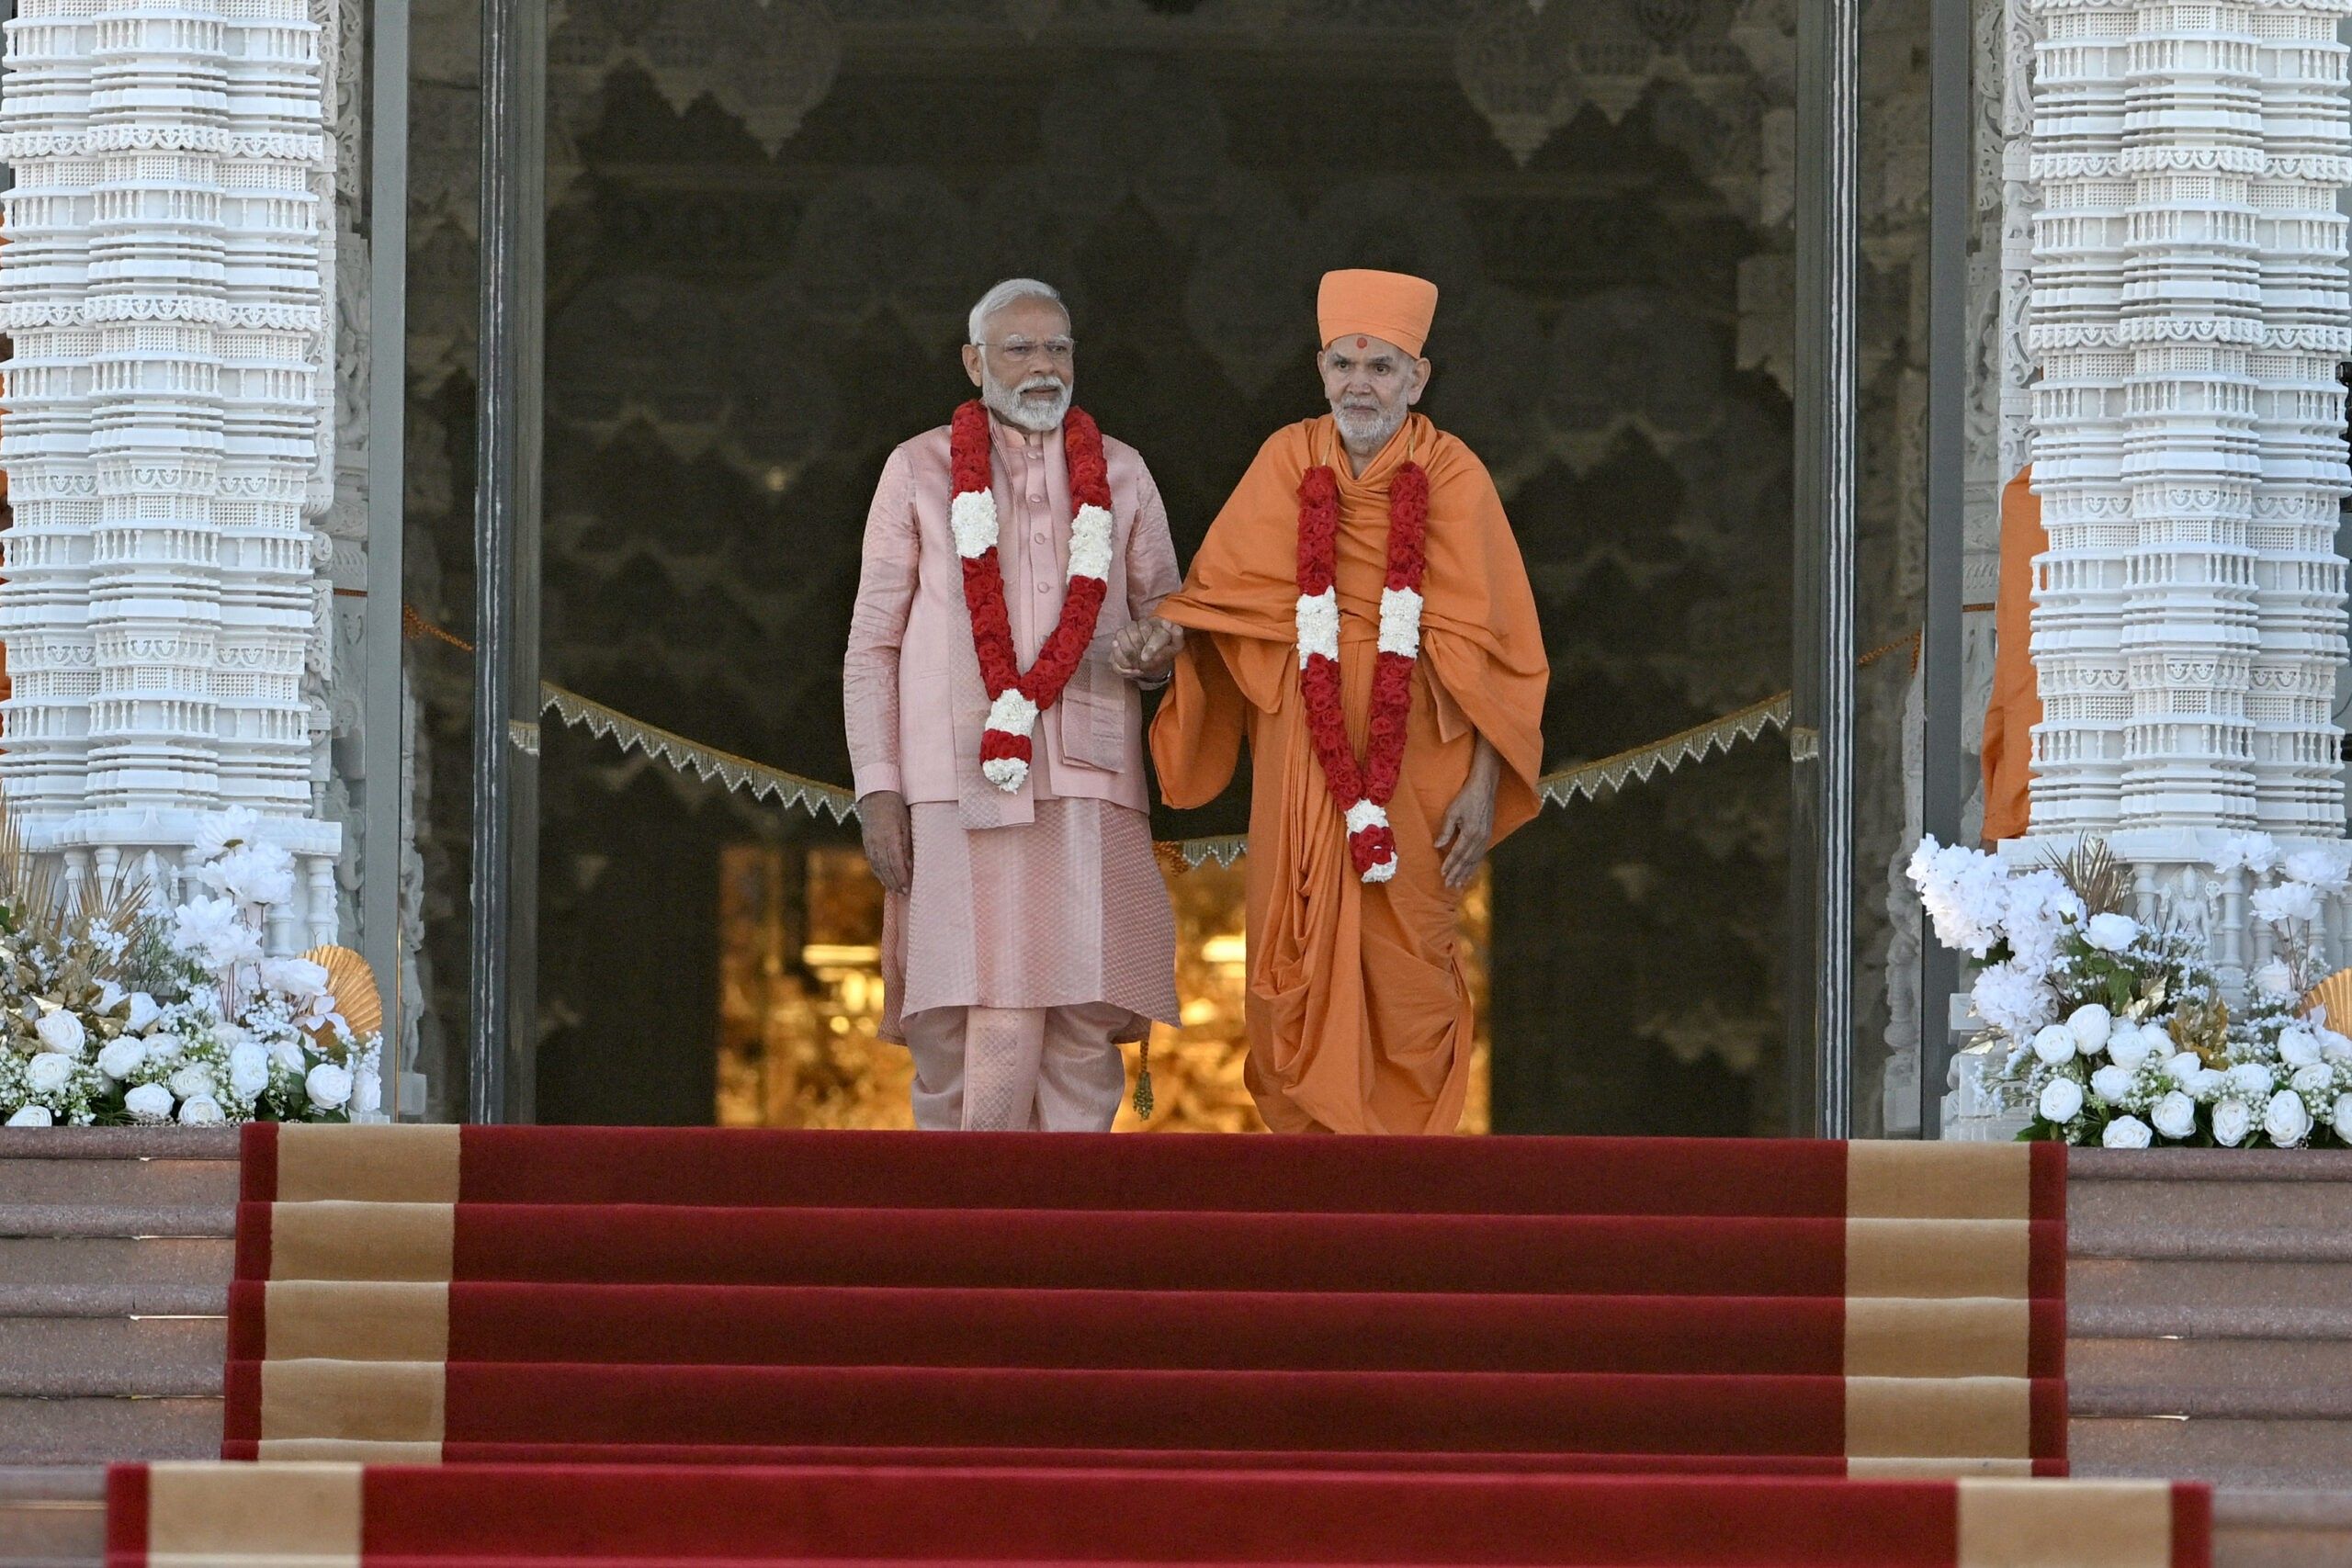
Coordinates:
column 387, row 1516
column 566, row 1344
column 520, row 1292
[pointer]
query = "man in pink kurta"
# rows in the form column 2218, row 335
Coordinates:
column 1026, row 933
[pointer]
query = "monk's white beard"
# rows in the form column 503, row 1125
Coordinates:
column 1010, row 406
column 1367, row 432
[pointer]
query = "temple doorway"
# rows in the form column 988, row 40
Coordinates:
column 764, row 226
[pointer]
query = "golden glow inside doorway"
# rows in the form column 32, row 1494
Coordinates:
column 800, row 995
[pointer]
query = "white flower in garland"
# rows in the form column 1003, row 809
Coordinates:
column 2232, row 1121
column 2062, row 1100
column 971, row 517
column 1317, row 623
column 32, row 1116
column 1089, row 543
column 328, row 1085
column 1400, row 622
column 1364, row 813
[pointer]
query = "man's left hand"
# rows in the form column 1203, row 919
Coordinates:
column 1469, row 823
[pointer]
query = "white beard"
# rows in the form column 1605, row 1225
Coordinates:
column 1366, row 432
column 1009, row 405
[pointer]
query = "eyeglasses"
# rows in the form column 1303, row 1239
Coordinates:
column 1056, row 350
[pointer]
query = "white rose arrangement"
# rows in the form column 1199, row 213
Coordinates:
column 142, row 1013
column 2119, row 1034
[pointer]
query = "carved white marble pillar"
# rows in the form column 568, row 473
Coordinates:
column 2191, row 313
column 2078, row 446
column 163, row 426
column 45, row 441
column 271, row 360
column 2299, row 578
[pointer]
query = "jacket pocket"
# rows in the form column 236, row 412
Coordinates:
column 1099, row 710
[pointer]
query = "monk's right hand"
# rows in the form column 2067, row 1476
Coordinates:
column 890, row 838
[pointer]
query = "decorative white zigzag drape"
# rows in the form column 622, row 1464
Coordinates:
column 2188, row 309
column 169, row 434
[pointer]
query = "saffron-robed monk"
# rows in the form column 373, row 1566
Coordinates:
column 1360, row 613
column 997, row 755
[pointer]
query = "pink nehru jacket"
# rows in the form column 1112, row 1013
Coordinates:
column 910, row 682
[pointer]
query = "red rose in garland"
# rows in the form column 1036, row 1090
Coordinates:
column 1017, row 697
column 1363, row 792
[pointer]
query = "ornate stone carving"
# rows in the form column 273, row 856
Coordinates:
column 171, row 434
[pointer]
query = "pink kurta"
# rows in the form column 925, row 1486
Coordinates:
column 1048, row 897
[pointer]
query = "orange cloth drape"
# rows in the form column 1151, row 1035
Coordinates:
column 2016, row 703
column 1358, row 1018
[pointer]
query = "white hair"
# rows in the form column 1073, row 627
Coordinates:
column 1011, row 291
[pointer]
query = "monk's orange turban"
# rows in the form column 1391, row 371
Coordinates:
column 1390, row 305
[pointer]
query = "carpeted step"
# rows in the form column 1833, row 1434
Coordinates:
column 713, row 1167
column 626, row 1293
column 473, row 1514
column 1004, row 1456
column 1091, row 1249
column 919, row 1406
column 1301, row 1330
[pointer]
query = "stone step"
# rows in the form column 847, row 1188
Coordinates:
column 2285, row 1376
column 176, row 1183
column 2255, row 1288
column 2228, row 1451
column 115, row 1275
column 2161, row 1320
column 119, row 1142
column 52, row 1515
column 2210, row 1202
column 2282, row 1529
column 34, row 1221
column 100, row 1431
column 91, row 1356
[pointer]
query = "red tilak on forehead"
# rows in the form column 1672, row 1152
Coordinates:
column 1364, row 343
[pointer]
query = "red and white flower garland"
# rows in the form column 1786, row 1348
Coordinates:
column 1016, row 699
column 1363, row 792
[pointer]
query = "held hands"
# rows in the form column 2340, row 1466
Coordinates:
column 889, row 838
column 1469, row 822
column 1145, row 651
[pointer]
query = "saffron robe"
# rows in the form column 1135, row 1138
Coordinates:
column 1360, row 1019
column 2015, row 707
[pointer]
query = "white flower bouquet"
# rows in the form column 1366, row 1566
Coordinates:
column 127, row 1011
column 2118, row 1033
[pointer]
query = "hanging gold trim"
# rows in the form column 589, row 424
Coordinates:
column 1588, row 781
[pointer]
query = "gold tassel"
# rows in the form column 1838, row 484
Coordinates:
column 1143, row 1083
